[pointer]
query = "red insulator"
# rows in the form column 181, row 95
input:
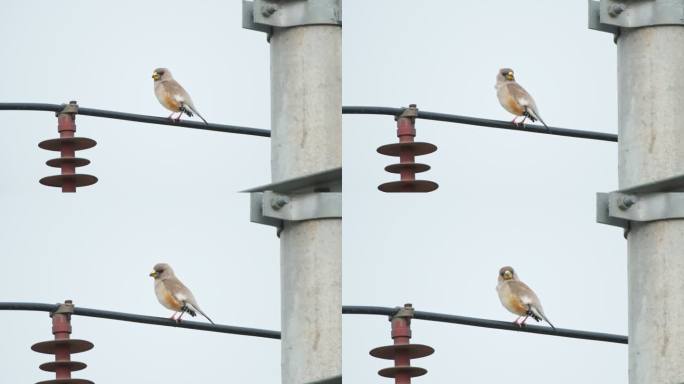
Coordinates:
column 402, row 351
column 67, row 145
column 407, row 150
column 62, row 347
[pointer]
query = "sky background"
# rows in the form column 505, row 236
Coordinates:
column 171, row 194
column 505, row 198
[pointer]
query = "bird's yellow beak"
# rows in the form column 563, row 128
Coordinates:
column 507, row 275
column 509, row 76
column 154, row 274
column 155, row 76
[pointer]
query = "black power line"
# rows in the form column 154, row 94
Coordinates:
column 485, row 323
column 80, row 311
column 347, row 309
column 138, row 118
column 352, row 110
column 355, row 110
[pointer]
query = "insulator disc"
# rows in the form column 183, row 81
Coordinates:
column 75, row 346
column 416, row 167
column 392, row 371
column 76, row 161
column 415, row 148
column 59, row 180
column 79, row 143
column 52, row 366
column 413, row 351
column 409, row 186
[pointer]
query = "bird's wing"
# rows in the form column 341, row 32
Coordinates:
column 179, row 291
column 525, row 100
column 525, row 293
column 529, row 298
column 181, row 96
column 519, row 94
column 177, row 91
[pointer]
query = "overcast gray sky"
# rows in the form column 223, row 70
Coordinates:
column 505, row 198
column 170, row 194
column 165, row 194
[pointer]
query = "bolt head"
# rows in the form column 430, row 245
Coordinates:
column 268, row 10
column 616, row 9
column 279, row 202
column 625, row 202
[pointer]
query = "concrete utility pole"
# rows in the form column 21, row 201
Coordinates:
column 650, row 50
column 306, row 118
column 306, row 121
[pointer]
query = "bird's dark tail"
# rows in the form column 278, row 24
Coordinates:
column 186, row 308
column 190, row 110
column 529, row 112
column 191, row 310
column 538, row 315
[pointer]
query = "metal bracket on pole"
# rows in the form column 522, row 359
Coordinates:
column 264, row 15
column 330, row 380
column 659, row 200
column 315, row 196
column 611, row 15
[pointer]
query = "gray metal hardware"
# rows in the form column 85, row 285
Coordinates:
column 263, row 15
column 315, row 196
column 611, row 15
column 658, row 200
column 330, row 380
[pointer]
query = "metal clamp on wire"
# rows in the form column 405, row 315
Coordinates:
column 71, row 108
column 406, row 312
column 66, row 308
column 659, row 200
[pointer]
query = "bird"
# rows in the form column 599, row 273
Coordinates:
column 518, row 298
column 172, row 294
column 172, row 95
column 515, row 98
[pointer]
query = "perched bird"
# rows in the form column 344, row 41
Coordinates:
column 515, row 98
column 518, row 298
column 172, row 96
column 172, row 294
